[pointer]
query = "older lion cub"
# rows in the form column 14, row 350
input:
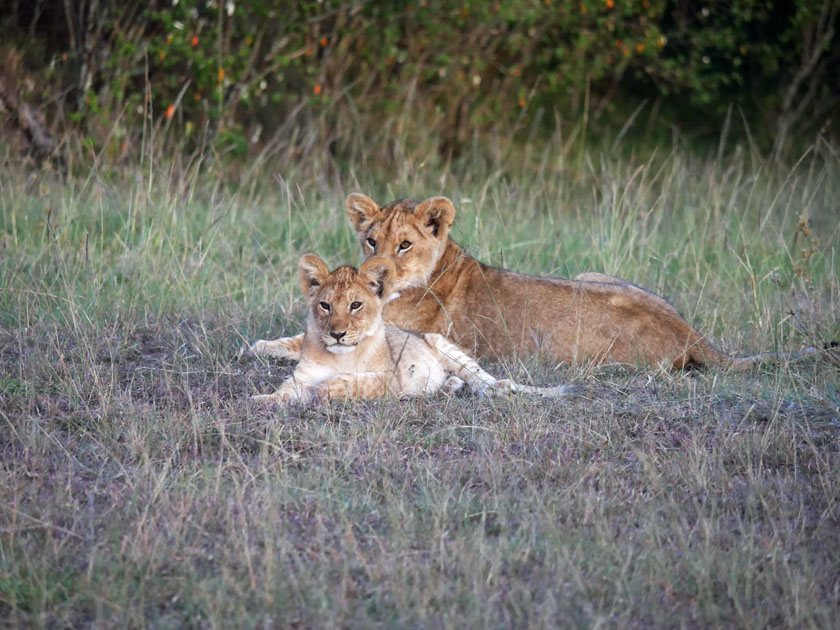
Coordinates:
column 495, row 312
column 349, row 352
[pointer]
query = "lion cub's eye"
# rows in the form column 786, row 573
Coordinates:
column 324, row 306
column 372, row 243
column 355, row 306
column 405, row 246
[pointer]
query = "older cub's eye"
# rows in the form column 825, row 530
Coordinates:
column 355, row 306
column 404, row 246
column 371, row 243
column 324, row 306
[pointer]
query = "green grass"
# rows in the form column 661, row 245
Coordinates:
column 140, row 487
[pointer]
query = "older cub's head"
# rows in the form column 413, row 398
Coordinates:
column 346, row 304
column 409, row 234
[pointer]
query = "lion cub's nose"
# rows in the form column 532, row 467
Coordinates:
column 337, row 335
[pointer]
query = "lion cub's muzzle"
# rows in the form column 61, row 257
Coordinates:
column 338, row 343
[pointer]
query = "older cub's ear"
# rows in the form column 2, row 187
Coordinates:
column 313, row 274
column 361, row 210
column 378, row 274
column 437, row 214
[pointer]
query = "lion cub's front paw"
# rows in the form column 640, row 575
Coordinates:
column 283, row 348
column 272, row 399
column 259, row 347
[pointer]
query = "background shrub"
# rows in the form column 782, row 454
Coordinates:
column 230, row 74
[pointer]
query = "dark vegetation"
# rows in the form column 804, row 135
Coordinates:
column 246, row 78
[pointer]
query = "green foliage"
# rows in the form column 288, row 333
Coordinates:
column 463, row 65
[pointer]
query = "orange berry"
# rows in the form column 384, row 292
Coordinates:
column 610, row 4
column 640, row 48
column 170, row 111
column 324, row 42
column 221, row 74
column 194, row 41
column 317, row 89
column 522, row 101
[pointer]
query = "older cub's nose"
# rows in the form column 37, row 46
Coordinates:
column 337, row 335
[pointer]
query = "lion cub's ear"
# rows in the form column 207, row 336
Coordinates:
column 378, row 274
column 313, row 274
column 361, row 210
column 437, row 214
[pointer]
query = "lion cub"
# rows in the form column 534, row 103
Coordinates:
column 349, row 352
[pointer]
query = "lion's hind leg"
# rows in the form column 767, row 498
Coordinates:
column 452, row 384
column 466, row 369
column 459, row 364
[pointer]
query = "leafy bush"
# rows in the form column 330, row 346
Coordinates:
column 224, row 70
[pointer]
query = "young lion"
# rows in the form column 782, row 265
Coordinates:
column 495, row 312
column 349, row 352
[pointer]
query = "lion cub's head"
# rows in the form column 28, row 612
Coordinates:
column 409, row 234
column 346, row 304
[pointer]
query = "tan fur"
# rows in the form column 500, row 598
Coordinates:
column 495, row 312
column 347, row 351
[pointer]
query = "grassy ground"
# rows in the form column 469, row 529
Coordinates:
column 140, row 488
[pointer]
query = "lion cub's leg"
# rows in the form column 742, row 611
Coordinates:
column 282, row 348
column 343, row 385
column 466, row 369
column 290, row 390
column 451, row 385
column 362, row 385
column 459, row 364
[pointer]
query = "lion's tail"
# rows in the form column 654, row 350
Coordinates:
column 707, row 354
